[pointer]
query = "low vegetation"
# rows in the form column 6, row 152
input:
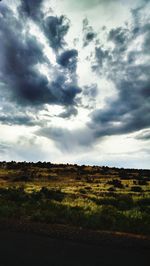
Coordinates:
column 91, row 197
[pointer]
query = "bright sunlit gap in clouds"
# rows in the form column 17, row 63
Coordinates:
column 74, row 83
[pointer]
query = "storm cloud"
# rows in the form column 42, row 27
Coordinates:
column 130, row 110
column 55, row 29
column 21, row 57
column 28, row 8
column 68, row 59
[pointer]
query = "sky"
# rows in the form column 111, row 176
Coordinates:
column 75, row 82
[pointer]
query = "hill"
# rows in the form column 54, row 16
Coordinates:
column 92, row 197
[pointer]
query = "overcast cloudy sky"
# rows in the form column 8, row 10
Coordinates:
column 75, row 81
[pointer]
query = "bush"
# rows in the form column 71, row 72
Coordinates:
column 108, row 217
column 136, row 189
column 49, row 194
column 82, row 191
column 125, row 202
column 116, row 183
column 138, row 222
column 22, row 178
column 144, row 202
column 87, row 187
column 142, row 182
column 14, row 194
column 111, row 189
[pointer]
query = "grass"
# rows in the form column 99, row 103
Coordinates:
column 93, row 198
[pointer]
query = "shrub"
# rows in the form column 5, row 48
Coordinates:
column 136, row 189
column 125, row 202
column 142, row 182
column 14, row 194
column 82, row 191
column 51, row 194
column 87, row 187
column 111, row 189
column 116, row 183
column 144, row 202
column 108, row 217
column 22, row 178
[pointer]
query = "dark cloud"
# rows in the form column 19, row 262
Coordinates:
column 16, row 120
column 101, row 56
column 64, row 91
column 21, row 54
column 130, row 110
column 16, row 117
column 70, row 111
column 108, row 58
column 55, row 29
column 88, row 37
column 146, row 43
column 14, row 114
column 68, row 140
column 119, row 36
column 31, row 9
column 145, row 135
column 68, row 59
column 88, row 33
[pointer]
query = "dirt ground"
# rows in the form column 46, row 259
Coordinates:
column 25, row 248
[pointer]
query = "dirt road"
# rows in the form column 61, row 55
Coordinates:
column 17, row 248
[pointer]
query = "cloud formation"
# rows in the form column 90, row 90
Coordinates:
column 68, row 140
column 144, row 135
column 22, row 54
column 128, row 68
column 72, row 80
column 55, row 29
column 88, row 33
column 68, row 59
column 28, row 8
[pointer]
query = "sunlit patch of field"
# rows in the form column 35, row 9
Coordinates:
column 92, row 197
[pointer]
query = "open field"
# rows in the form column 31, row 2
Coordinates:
column 98, row 198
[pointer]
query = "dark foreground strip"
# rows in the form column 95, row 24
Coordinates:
column 75, row 234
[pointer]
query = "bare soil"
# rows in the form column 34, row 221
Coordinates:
column 49, row 245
